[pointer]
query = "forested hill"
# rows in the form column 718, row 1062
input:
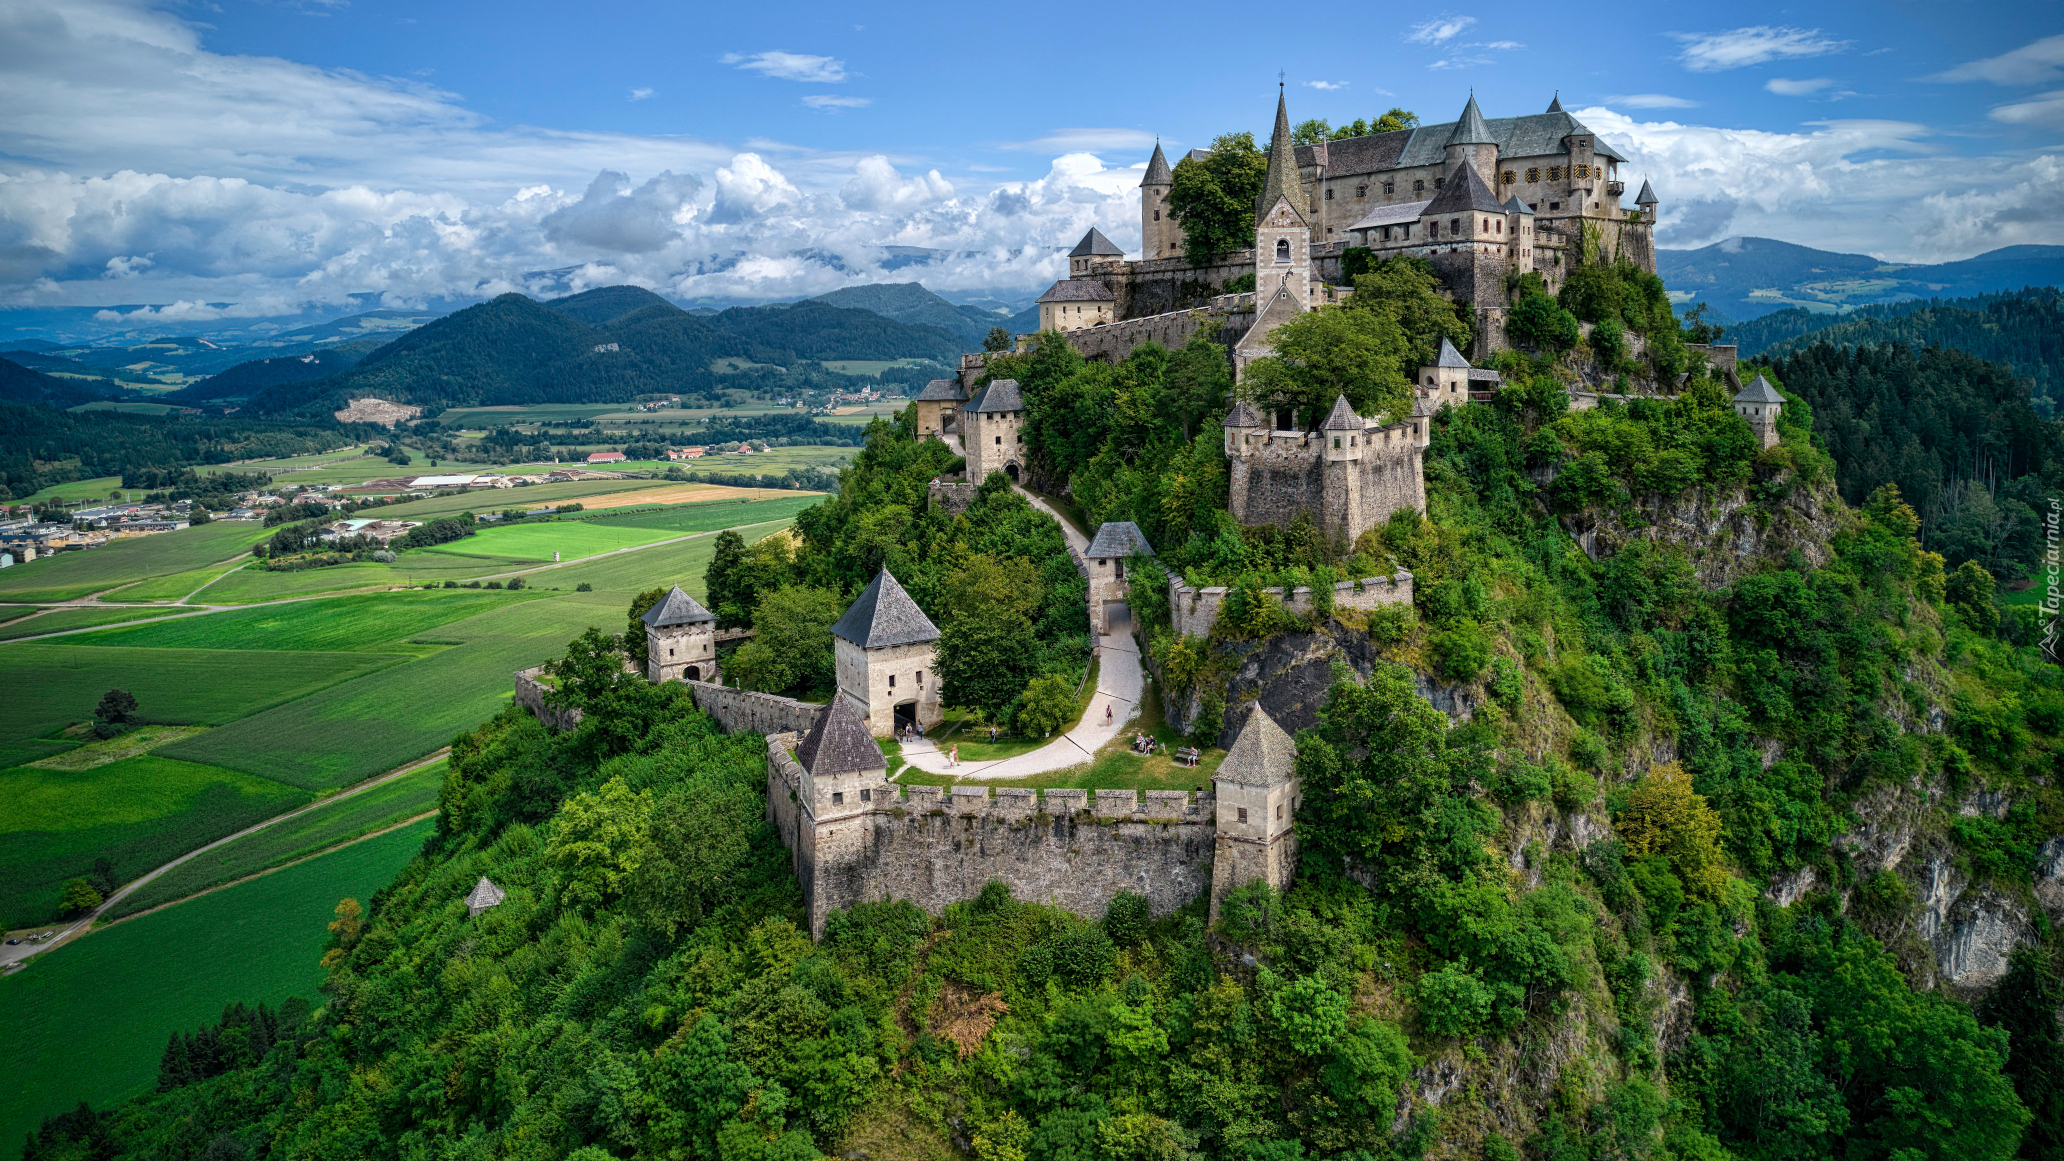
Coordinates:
column 603, row 346
column 2023, row 329
column 41, row 446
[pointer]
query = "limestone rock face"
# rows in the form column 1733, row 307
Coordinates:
column 1724, row 536
column 1982, row 929
column 2049, row 879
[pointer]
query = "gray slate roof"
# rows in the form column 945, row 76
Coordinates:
column 1242, row 415
column 1759, row 390
column 1095, row 245
column 999, row 395
column 1119, row 538
column 1158, row 172
column 1555, row 105
column 1393, row 214
column 941, row 391
column 483, row 896
column 1464, row 191
column 1077, row 290
column 1514, row 206
column 1342, row 417
column 1535, row 135
column 1196, row 155
column 676, row 608
column 1449, row 356
column 1282, row 168
column 884, row 615
column 1262, row 754
column 839, row 742
column 1470, row 128
column 1647, row 195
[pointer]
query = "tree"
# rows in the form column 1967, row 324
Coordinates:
column 998, row 340
column 1539, row 323
column 719, row 579
column 1665, row 816
column 792, row 647
column 1046, row 706
column 79, row 897
column 117, row 707
column 634, row 644
column 1323, row 354
column 1213, row 197
column 598, row 841
column 1969, row 591
column 987, row 648
column 345, row 931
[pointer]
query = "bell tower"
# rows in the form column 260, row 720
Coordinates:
column 1282, row 227
column 1160, row 236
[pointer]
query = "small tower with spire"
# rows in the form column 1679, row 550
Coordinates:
column 1282, row 227
column 1471, row 142
column 1645, row 201
column 1160, row 235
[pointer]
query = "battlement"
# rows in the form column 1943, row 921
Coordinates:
column 744, row 711
column 1010, row 804
column 1194, row 611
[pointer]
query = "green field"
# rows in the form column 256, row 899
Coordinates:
column 709, row 515
column 69, row 575
column 140, row 812
column 174, row 587
column 775, row 461
column 495, row 499
column 535, row 543
column 88, row 1021
column 96, row 488
column 371, row 622
column 318, row 829
column 58, row 620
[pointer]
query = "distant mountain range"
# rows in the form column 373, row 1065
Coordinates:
column 910, row 302
column 1745, row 278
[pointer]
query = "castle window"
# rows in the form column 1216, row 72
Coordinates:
column 866, row 795
column 1282, row 250
column 1454, row 225
column 1336, row 443
column 1390, row 187
column 1433, row 229
column 1533, row 174
column 1440, row 182
column 1157, row 215
column 1554, row 173
column 1329, row 194
column 1418, row 187
column 999, row 441
column 1508, row 177
column 837, row 798
column 892, row 681
column 920, row 679
column 1361, row 191
column 1554, row 205
column 1243, row 814
column 1501, row 226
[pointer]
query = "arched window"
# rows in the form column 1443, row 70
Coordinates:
column 1282, row 251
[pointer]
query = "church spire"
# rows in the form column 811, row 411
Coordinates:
column 1282, row 181
column 1555, row 106
column 1158, row 172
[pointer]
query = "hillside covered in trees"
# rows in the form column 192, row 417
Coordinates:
column 41, row 446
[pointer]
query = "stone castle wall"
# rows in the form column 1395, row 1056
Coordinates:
column 1193, row 611
column 1112, row 342
column 530, row 694
column 745, row 711
column 1270, row 481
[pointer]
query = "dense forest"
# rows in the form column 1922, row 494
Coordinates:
column 41, row 446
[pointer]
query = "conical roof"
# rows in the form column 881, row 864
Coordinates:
column 1262, row 754
column 839, row 742
column 1242, row 415
column 1095, row 245
column 1449, row 356
column 1555, row 106
column 1158, row 172
column 676, row 608
column 1118, row 538
column 1759, row 390
column 1282, row 182
column 884, row 615
column 483, row 896
column 1471, row 130
column 1342, row 417
column 1464, row 190
column 1647, row 195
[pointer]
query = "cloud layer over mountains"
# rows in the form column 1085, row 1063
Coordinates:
column 138, row 166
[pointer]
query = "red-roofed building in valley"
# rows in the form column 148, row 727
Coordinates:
column 605, row 457
column 684, row 453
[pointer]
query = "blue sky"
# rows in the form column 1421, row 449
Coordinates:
column 273, row 153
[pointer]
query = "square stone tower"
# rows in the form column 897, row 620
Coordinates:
column 885, row 650
column 1282, row 227
column 993, row 431
column 1161, row 236
column 1075, row 303
column 680, row 640
column 938, row 408
column 1759, row 403
column 1106, row 556
column 1258, row 796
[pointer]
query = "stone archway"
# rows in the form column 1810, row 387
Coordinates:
column 1011, row 470
column 692, row 673
column 906, row 716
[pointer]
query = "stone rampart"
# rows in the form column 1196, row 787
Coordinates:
column 745, row 711
column 530, row 694
column 1193, row 611
column 951, row 496
column 1112, row 342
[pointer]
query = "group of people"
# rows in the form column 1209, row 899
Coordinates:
column 1145, row 744
column 910, row 733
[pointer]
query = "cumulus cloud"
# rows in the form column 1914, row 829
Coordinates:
column 612, row 216
column 878, row 188
column 834, row 104
column 1439, row 29
column 749, row 188
column 2038, row 63
column 1326, row 86
column 640, row 94
column 789, row 66
column 1712, row 52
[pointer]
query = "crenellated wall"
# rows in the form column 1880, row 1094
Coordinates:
column 745, row 711
column 1193, row 611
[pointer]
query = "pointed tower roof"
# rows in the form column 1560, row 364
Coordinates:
column 1464, row 190
column 839, row 742
column 1118, row 538
column 1514, row 206
column 1759, row 390
column 1095, row 245
column 1158, row 172
column 483, row 896
column 1471, row 130
column 1282, row 167
column 884, row 615
column 1262, row 754
column 1555, row 106
column 1449, row 356
column 1242, row 415
column 676, row 608
column 1647, row 195
column 1342, row 417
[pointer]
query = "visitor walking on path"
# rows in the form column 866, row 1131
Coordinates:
column 953, row 757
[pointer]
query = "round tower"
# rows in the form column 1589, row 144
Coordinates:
column 1160, row 236
column 1472, row 142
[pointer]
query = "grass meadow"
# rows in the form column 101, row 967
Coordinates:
column 318, row 829
column 365, row 622
column 534, row 543
column 139, row 812
column 710, row 515
column 58, row 620
column 69, row 575
column 89, row 1020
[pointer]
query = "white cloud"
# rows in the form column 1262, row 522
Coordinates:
column 1805, row 88
column 1460, row 62
column 1651, row 101
column 749, row 188
column 127, row 266
column 1326, row 86
column 1712, row 52
column 612, row 216
column 1497, row 45
column 1087, row 141
column 2038, row 63
column 1439, row 29
column 2044, row 110
column 877, row 188
column 789, row 66
column 823, row 101
column 640, row 94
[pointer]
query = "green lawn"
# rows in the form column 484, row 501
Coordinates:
column 69, row 575
column 535, row 543
column 495, row 499
column 776, row 461
column 176, row 586
column 682, row 563
column 368, row 622
column 58, row 620
column 325, row 826
column 89, row 1021
column 139, row 812
column 51, row 686
column 709, row 515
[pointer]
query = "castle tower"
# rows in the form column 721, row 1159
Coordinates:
column 1447, row 381
column 680, row 640
column 1343, row 433
column 1472, row 142
column 1258, row 796
column 938, row 408
column 1106, row 555
column 1282, row 232
column 1759, row 403
column 1092, row 249
column 843, row 777
column 992, row 426
column 1160, row 235
column 1246, row 433
column 1645, row 201
column 885, row 651
column 1075, row 303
